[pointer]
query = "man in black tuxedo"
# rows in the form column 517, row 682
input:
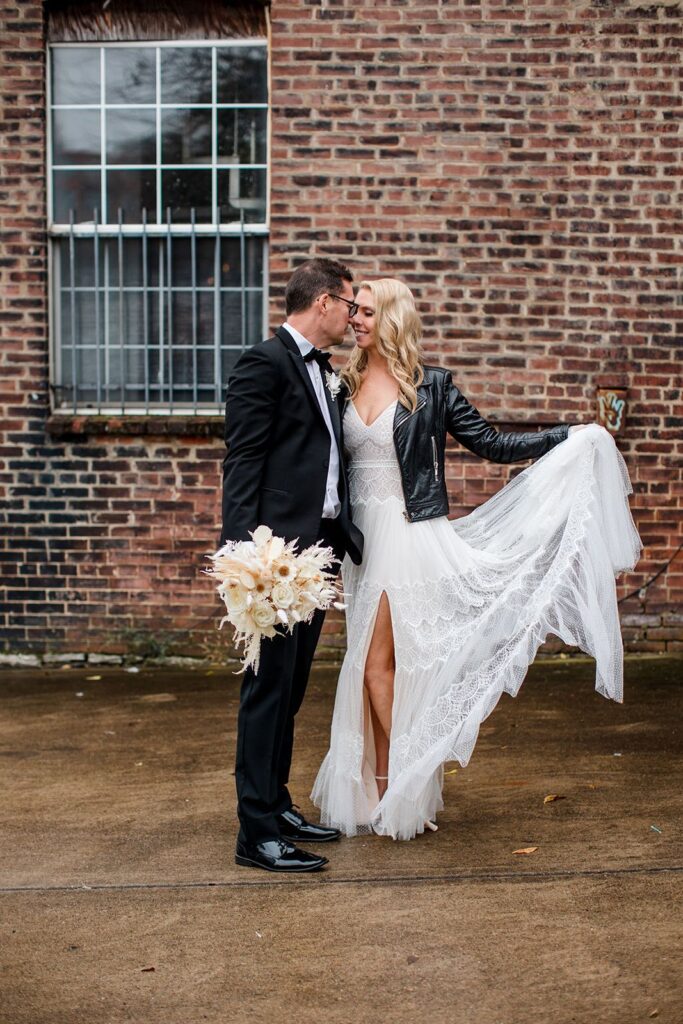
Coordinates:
column 284, row 468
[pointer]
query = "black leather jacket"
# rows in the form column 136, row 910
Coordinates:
column 420, row 440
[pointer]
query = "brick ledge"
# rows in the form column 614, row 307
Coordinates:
column 73, row 427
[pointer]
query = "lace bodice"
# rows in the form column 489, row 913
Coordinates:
column 374, row 473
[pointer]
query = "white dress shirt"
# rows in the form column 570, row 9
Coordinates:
column 332, row 504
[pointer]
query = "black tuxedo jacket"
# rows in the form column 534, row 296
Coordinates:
column 278, row 449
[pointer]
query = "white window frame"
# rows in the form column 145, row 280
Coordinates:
column 158, row 229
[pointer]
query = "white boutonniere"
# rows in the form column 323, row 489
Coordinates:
column 333, row 383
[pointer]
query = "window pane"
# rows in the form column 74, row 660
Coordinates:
column 186, row 74
column 76, row 136
column 131, row 136
column 130, row 74
column 182, row 318
column 183, row 190
column 230, row 263
column 78, row 191
column 76, row 74
column 242, row 136
column 242, row 75
column 83, row 264
column 242, row 191
column 130, row 191
column 229, row 357
column 186, row 136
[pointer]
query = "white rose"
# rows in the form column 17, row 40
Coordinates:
column 282, row 595
column 263, row 615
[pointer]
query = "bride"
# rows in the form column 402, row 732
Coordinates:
column 442, row 616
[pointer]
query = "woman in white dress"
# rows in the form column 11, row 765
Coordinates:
column 442, row 617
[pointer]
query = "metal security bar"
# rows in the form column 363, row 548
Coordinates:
column 152, row 321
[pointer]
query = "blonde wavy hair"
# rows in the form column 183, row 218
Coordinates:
column 398, row 332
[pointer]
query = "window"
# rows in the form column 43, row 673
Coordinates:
column 158, row 220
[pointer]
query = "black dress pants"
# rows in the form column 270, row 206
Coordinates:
column 269, row 701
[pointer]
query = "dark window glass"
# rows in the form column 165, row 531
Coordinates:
column 241, row 73
column 186, row 74
column 131, row 136
column 78, row 191
column 76, row 137
column 184, row 190
column 186, row 136
column 130, row 191
column 130, row 75
column 75, row 74
column 242, row 136
column 242, row 192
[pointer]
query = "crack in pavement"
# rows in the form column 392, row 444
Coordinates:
column 500, row 876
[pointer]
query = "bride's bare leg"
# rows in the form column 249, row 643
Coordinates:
column 380, row 666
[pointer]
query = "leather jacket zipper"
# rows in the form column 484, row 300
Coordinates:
column 435, row 456
column 410, row 414
column 406, row 513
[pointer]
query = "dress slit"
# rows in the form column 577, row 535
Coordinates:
column 369, row 762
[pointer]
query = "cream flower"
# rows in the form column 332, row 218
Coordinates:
column 282, row 595
column 262, row 614
column 262, row 535
column 275, row 548
column 283, row 570
column 235, row 597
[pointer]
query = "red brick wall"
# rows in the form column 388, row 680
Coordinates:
column 516, row 164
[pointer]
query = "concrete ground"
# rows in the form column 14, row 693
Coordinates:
column 120, row 899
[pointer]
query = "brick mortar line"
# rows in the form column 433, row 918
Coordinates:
column 377, row 879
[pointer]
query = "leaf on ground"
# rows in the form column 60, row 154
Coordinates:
column 92, row 679
column 412, row 959
column 146, row 970
column 553, row 796
column 653, row 1013
column 157, row 698
column 451, row 772
column 526, row 850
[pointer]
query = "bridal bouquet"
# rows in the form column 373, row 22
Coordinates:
column 266, row 586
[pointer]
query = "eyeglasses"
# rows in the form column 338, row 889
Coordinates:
column 353, row 306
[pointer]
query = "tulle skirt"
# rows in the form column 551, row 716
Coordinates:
column 471, row 602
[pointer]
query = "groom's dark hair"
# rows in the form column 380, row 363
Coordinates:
column 313, row 278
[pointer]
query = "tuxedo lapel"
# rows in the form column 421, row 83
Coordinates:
column 301, row 368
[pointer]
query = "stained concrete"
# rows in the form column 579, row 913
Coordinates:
column 118, row 833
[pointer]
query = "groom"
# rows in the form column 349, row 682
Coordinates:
column 284, row 468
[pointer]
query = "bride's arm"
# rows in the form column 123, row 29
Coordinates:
column 467, row 426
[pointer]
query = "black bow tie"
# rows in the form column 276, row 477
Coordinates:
column 321, row 358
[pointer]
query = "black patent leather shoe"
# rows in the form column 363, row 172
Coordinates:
column 295, row 828
column 277, row 855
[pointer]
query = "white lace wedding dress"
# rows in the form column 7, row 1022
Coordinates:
column 471, row 602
